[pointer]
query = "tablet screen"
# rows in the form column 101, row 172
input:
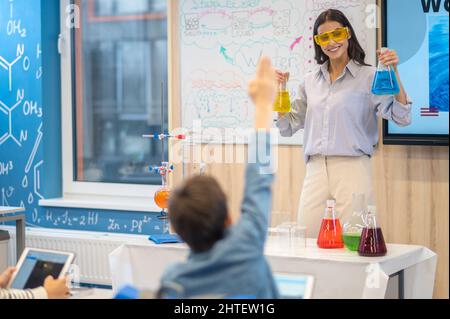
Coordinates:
column 294, row 286
column 36, row 266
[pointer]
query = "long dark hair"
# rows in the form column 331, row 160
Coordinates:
column 355, row 50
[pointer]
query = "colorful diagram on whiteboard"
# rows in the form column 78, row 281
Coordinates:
column 222, row 41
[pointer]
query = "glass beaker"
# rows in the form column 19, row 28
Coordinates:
column 279, row 238
column 292, row 236
column 385, row 81
column 372, row 242
column 353, row 227
column 330, row 235
column 298, row 237
column 283, row 101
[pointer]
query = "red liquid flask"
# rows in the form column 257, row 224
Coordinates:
column 372, row 242
column 330, row 235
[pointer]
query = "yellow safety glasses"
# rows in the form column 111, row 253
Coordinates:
column 336, row 35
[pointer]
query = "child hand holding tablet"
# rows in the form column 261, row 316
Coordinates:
column 34, row 277
column 52, row 289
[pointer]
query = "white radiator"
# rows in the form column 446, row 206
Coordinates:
column 91, row 249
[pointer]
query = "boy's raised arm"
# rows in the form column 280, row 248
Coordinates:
column 257, row 202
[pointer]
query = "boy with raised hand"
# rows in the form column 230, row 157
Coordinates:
column 227, row 260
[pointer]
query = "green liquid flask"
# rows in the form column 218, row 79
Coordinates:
column 353, row 227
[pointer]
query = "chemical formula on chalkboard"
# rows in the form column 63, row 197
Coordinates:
column 98, row 220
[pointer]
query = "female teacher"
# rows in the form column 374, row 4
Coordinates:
column 340, row 117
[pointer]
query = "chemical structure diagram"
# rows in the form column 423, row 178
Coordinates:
column 8, row 66
column 13, row 28
column 29, row 107
column 8, row 112
column 19, row 106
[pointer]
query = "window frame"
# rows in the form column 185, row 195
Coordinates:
column 84, row 190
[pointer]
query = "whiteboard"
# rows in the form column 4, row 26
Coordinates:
column 221, row 42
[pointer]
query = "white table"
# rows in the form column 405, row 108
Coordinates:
column 339, row 274
column 91, row 293
column 8, row 214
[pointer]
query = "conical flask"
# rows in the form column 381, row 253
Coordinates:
column 283, row 100
column 162, row 194
column 162, row 197
column 330, row 235
column 372, row 241
column 353, row 227
column 385, row 81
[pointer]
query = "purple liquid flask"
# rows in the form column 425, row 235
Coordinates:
column 372, row 241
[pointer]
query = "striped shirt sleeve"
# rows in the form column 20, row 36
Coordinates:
column 38, row 293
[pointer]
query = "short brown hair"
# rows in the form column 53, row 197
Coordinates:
column 198, row 211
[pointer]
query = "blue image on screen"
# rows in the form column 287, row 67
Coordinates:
column 439, row 61
column 424, row 74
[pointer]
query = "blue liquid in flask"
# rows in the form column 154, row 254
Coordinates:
column 385, row 83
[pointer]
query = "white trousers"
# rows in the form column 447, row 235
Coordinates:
column 336, row 178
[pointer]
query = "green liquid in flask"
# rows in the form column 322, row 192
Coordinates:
column 351, row 241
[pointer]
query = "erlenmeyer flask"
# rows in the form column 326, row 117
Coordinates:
column 330, row 235
column 162, row 195
column 283, row 100
column 385, row 81
column 372, row 241
column 354, row 226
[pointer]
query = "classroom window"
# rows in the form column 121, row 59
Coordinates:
column 119, row 55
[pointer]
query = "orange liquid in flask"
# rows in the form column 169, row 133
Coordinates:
column 162, row 198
